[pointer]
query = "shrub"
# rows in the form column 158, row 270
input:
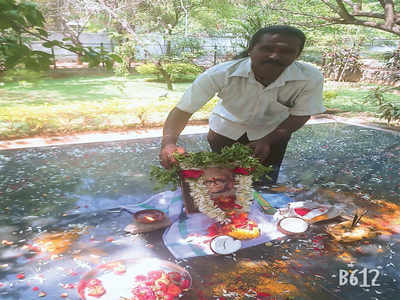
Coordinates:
column 342, row 65
column 189, row 47
column 177, row 71
column 147, row 69
column 126, row 51
column 329, row 95
column 387, row 110
column 22, row 75
column 182, row 71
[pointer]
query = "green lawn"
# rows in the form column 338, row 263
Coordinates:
column 347, row 98
column 103, row 102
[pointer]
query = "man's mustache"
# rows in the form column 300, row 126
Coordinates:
column 273, row 62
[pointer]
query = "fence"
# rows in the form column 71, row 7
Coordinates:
column 152, row 45
column 215, row 48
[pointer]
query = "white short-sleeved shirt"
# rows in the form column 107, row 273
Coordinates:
column 246, row 106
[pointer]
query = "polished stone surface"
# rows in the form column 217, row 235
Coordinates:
column 74, row 193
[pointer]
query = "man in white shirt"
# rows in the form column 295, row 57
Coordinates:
column 264, row 97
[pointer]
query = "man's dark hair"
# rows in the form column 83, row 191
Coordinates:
column 273, row 29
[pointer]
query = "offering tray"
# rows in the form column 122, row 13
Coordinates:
column 120, row 279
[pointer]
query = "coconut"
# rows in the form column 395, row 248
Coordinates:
column 224, row 244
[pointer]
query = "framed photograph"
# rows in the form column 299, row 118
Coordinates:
column 218, row 185
column 217, row 191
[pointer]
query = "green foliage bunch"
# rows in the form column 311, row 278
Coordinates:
column 389, row 112
column 237, row 155
column 126, row 51
column 329, row 95
column 22, row 22
column 386, row 109
column 147, row 69
column 177, row 71
column 102, row 57
column 181, row 71
column 17, row 19
column 187, row 48
column 19, row 75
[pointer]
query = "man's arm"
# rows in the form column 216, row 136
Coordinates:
column 262, row 147
column 175, row 123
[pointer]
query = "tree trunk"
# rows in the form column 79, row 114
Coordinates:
column 167, row 78
column 169, row 46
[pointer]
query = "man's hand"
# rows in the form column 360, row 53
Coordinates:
column 262, row 149
column 173, row 127
column 166, row 155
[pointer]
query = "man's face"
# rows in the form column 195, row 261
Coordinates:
column 275, row 51
column 217, row 184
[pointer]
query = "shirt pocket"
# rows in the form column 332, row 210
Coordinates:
column 239, row 98
column 287, row 95
column 276, row 108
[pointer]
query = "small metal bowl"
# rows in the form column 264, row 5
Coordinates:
column 303, row 225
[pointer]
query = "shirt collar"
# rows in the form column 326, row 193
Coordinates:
column 292, row 72
column 243, row 69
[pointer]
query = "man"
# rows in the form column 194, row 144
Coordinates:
column 220, row 187
column 265, row 96
column 218, row 181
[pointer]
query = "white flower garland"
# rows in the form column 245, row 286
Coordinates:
column 201, row 198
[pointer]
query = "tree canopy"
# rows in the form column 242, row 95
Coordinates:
column 378, row 14
column 19, row 22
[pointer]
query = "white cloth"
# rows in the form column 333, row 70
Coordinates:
column 246, row 105
column 189, row 237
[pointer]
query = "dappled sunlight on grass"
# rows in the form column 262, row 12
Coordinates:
column 104, row 102
column 349, row 97
column 89, row 88
column 73, row 104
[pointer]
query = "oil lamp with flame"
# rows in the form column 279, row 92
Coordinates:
column 149, row 216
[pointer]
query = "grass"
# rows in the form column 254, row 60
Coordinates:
column 86, row 103
column 54, row 106
column 347, row 98
column 350, row 98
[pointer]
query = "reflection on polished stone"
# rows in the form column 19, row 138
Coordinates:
column 46, row 193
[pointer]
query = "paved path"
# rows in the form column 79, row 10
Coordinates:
column 94, row 137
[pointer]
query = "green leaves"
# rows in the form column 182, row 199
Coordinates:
column 15, row 20
column 237, row 155
column 387, row 109
column 164, row 177
column 177, row 71
column 18, row 21
column 389, row 112
column 95, row 58
column 51, row 44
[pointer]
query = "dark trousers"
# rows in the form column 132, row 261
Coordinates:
column 217, row 142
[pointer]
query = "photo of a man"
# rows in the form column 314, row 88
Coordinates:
column 220, row 187
column 218, row 181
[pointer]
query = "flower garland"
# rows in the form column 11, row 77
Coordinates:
column 201, row 198
column 238, row 158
